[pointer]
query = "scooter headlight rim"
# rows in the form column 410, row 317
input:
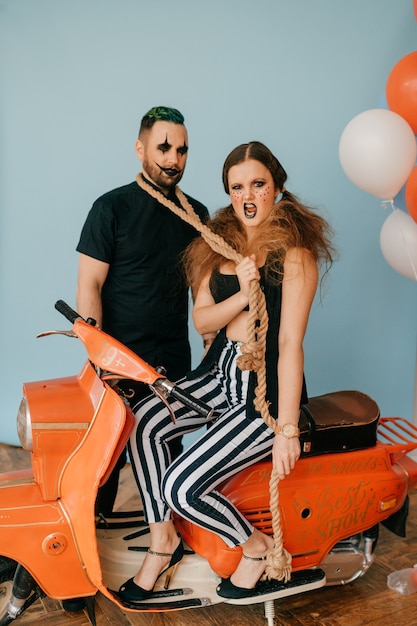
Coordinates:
column 24, row 426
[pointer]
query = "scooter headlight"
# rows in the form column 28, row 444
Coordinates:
column 24, row 426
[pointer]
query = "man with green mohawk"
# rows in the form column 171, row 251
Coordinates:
column 129, row 277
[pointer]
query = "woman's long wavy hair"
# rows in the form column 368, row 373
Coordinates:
column 290, row 224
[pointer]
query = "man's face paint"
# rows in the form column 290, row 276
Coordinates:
column 164, row 154
column 164, row 149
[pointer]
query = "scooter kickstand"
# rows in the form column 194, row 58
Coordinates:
column 91, row 609
column 269, row 612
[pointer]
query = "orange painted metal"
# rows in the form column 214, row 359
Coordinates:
column 110, row 354
column 47, row 516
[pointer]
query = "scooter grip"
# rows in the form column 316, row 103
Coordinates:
column 66, row 311
column 193, row 403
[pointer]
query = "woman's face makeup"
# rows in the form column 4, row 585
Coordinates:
column 252, row 192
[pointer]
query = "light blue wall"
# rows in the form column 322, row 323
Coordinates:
column 76, row 77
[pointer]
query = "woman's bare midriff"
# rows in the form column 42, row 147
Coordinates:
column 236, row 330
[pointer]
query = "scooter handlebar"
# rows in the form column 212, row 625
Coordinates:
column 193, row 403
column 181, row 395
column 164, row 388
column 67, row 311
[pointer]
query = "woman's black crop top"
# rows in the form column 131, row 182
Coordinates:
column 222, row 286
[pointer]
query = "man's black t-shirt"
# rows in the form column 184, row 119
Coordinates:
column 144, row 297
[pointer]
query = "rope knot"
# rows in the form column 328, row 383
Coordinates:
column 251, row 357
column 246, row 362
column 278, row 566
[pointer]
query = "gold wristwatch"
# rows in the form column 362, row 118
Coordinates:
column 287, row 430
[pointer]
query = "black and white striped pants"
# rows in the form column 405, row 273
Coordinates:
column 233, row 442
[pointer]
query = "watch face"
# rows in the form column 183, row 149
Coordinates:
column 289, row 430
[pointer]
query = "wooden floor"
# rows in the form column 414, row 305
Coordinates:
column 365, row 602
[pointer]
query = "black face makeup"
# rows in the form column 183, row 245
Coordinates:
column 165, row 154
column 166, row 147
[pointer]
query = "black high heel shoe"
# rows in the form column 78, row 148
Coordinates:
column 226, row 589
column 130, row 593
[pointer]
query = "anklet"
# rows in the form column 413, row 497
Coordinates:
column 255, row 558
column 159, row 553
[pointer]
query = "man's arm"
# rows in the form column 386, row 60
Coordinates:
column 208, row 339
column 91, row 276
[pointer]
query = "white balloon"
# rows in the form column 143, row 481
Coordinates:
column 398, row 240
column 377, row 151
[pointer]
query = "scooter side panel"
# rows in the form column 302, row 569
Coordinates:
column 87, row 466
column 37, row 535
column 325, row 499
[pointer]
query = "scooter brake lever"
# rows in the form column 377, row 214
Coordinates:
column 67, row 333
column 162, row 395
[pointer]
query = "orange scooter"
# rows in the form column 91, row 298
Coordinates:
column 355, row 472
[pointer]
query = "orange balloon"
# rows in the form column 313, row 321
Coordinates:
column 401, row 89
column 411, row 194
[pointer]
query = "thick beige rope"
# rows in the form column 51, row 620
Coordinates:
column 252, row 358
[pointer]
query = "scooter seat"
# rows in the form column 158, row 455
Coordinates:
column 338, row 422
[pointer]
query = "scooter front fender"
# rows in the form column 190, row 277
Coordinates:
column 47, row 519
column 39, row 536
